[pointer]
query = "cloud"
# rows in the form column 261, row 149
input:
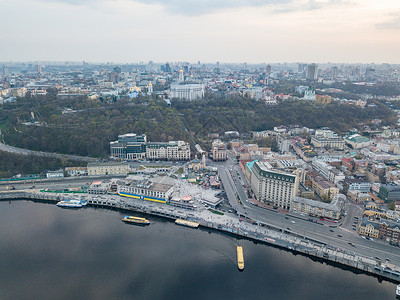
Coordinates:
column 186, row 7
column 393, row 23
column 203, row 7
column 308, row 5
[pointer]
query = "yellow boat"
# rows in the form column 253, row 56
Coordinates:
column 135, row 220
column 240, row 259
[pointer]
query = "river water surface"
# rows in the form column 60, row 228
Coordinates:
column 47, row 252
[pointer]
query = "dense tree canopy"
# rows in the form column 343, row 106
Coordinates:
column 93, row 123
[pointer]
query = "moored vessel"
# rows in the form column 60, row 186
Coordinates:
column 135, row 220
column 398, row 291
column 186, row 223
column 240, row 259
column 70, row 204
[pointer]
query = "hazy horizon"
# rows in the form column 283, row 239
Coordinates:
column 252, row 31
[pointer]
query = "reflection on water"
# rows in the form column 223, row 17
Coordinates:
column 51, row 253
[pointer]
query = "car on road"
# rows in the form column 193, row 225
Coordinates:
column 351, row 244
column 293, row 222
column 339, row 235
column 286, row 218
column 289, row 228
column 331, row 230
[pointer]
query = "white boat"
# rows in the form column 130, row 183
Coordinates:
column 398, row 291
column 70, row 203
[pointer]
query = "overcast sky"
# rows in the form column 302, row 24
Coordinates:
column 250, row 31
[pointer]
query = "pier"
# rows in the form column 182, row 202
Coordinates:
column 249, row 229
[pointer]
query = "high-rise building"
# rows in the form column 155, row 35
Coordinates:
column 5, row 71
column 301, row 68
column 271, row 186
column 268, row 70
column 312, row 71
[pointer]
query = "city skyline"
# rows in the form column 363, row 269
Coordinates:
column 233, row 32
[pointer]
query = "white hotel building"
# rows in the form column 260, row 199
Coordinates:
column 272, row 186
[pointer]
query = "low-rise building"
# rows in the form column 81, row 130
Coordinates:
column 55, row 174
column 218, row 151
column 76, row 171
column 107, row 168
column 174, row 150
column 389, row 192
column 327, row 138
column 311, row 207
column 146, row 190
column 357, row 141
column 369, row 228
column 187, row 91
column 390, row 231
column 129, row 146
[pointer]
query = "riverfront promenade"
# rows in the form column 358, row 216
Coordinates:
column 231, row 224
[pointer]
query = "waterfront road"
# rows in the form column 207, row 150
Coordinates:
column 341, row 237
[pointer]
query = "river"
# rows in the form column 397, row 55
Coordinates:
column 47, row 252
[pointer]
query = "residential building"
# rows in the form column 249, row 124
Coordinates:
column 323, row 188
column 283, row 144
column 312, row 71
column 311, row 207
column 369, row 228
column 390, row 231
column 389, row 192
column 360, row 185
column 218, row 151
column 271, row 186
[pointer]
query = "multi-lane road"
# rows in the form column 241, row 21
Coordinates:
column 339, row 235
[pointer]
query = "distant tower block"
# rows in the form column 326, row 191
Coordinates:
column 181, row 78
column 312, row 71
column 268, row 69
